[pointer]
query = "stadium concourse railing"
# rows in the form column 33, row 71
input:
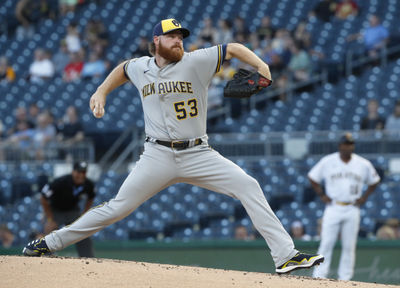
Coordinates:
column 52, row 152
column 298, row 145
column 273, row 146
column 354, row 60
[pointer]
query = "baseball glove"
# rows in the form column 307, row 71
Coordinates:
column 245, row 83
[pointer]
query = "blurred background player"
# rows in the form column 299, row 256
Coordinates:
column 60, row 201
column 344, row 174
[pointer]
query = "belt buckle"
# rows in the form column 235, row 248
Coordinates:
column 173, row 142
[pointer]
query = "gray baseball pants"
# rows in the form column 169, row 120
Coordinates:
column 84, row 247
column 160, row 167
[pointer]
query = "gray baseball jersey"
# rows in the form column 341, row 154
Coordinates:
column 174, row 97
column 174, row 102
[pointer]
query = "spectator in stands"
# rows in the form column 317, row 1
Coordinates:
column 70, row 128
column 28, row 12
column 67, row 6
column 373, row 121
column 297, row 231
column 7, row 73
column 44, row 134
column 33, row 113
column 241, row 233
column 345, row 9
column 282, row 83
column 300, row 63
column 74, row 68
column 96, row 36
column 23, row 12
column 375, row 37
column 281, row 49
column 21, row 115
column 242, row 38
column 393, row 121
column 6, row 236
column 207, row 33
column 73, row 39
column 324, row 10
column 240, row 28
column 142, row 49
column 255, row 45
column 45, row 130
column 302, row 37
column 224, row 32
column 41, row 68
column 61, row 58
column 390, row 230
column 271, row 57
column 265, row 32
column 22, row 137
column 94, row 68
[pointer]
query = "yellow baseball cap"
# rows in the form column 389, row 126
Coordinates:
column 168, row 25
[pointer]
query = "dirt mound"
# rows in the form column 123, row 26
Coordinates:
column 16, row 271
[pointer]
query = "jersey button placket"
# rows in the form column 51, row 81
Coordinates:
column 163, row 103
column 161, row 100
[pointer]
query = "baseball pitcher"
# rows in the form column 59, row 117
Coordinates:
column 173, row 90
column 344, row 174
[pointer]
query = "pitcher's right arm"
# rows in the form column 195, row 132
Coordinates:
column 116, row 78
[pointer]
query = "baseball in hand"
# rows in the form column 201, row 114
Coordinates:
column 98, row 113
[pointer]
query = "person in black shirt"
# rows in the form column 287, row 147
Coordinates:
column 324, row 10
column 70, row 128
column 60, row 201
column 373, row 121
column 142, row 49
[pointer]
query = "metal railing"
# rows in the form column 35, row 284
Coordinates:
column 275, row 146
column 128, row 146
column 353, row 60
column 52, row 152
column 297, row 145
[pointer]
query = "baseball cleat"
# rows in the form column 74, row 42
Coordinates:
column 37, row 247
column 300, row 261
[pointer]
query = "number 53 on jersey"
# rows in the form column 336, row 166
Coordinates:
column 183, row 109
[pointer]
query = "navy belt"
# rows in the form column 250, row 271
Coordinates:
column 176, row 144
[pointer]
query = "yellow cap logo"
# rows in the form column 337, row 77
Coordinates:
column 169, row 24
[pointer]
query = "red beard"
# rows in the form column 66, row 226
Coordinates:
column 173, row 54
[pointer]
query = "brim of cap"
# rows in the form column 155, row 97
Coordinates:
column 347, row 142
column 185, row 32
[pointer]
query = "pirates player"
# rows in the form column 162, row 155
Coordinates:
column 344, row 175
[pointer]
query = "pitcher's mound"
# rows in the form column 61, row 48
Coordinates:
column 50, row 272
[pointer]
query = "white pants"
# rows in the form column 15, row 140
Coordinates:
column 346, row 221
column 160, row 167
